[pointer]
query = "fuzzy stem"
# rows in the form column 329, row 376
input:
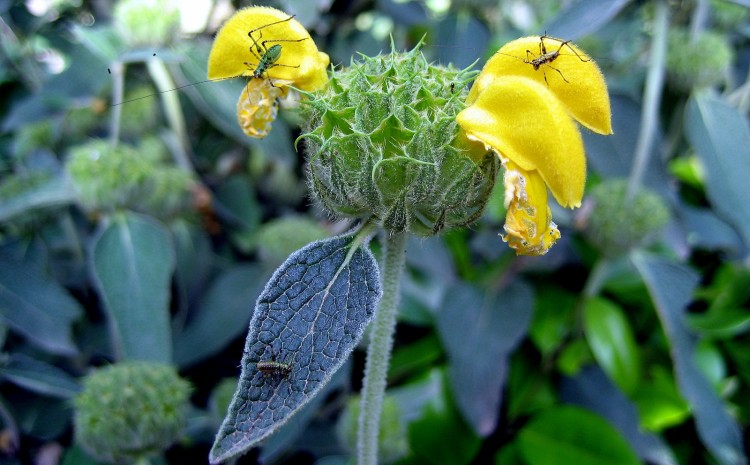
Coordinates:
column 651, row 97
column 379, row 351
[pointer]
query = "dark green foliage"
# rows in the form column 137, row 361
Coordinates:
column 628, row 343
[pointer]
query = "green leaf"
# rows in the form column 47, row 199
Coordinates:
column 659, row 403
column 53, row 192
column 570, row 435
column 553, row 318
column 133, row 261
column 411, row 359
column 611, row 340
column 671, row 287
column 37, row 307
column 39, row 377
column 593, row 390
column 479, row 332
column 312, row 312
column 440, row 436
column 223, row 315
column 719, row 134
column 583, row 17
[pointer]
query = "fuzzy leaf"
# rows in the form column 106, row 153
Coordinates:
column 671, row 287
column 311, row 314
column 133, row 261
column 479, row 333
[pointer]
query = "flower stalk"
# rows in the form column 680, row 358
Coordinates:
column 379, row 350
column 651, row 97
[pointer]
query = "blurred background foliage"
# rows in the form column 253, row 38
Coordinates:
column 138, row 223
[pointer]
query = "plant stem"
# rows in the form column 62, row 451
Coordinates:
column 118, row 90
column 651, row 97
column 171, row 101
column 379, row 351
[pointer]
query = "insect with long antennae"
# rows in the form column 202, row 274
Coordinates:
column 546, row 58
column 266, row 52
column 267, row 56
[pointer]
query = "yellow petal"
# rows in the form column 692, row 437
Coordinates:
column 258, row 106
column 528, row 223
column 523, row 122
column 565, row 70
column 235, row 53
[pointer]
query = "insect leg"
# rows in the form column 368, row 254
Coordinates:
column 560, row 72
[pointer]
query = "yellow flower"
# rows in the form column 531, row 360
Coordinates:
column 522, row 106
column 276, row 52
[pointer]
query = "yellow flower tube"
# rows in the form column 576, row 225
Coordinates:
column 276, row 52
column 568, row 72
column 522, row 106
column 522, row 121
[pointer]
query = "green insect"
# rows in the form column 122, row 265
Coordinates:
column 267, row 57
column 273, row 367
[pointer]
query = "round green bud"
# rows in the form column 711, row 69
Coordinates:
column 147, row 22
column 111, row 178
column 383, row 144
column 130, row 410
column 615, row 224
column 701, row 62
column 277, row 239
column 392, row 437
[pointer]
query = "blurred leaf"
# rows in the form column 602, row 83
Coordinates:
column 460, row 40
column 133, row 260
column 573, row 357
column 612, row 343
column 529, row 388
column 709, row 360
column 593, row 390
column 720, row 135
column 54, row 192
column 45, row 418
column 553, row 318
column 612, row 156
column 103, row 42
column 660, row 404
column 37, row 307
column 440, row 436
column 236, row 198
column 411, row 359
column 671, row 287
column 721, row 323
column 39, row 377
column 479, row 332
column 216, row 100
column 313, row 311
column 194, row 259
column 568, row 435
column 583, row 17
column 222, row 315
column 705, row 229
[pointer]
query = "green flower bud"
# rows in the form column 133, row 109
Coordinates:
column 277, row 239
column 392, row 437
column 220, row 399
column 383, row 144
column 111, row 178
column 615, row 224
column 147, row 22
column 34, row 136
column 130, row 410
column 701, row 62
